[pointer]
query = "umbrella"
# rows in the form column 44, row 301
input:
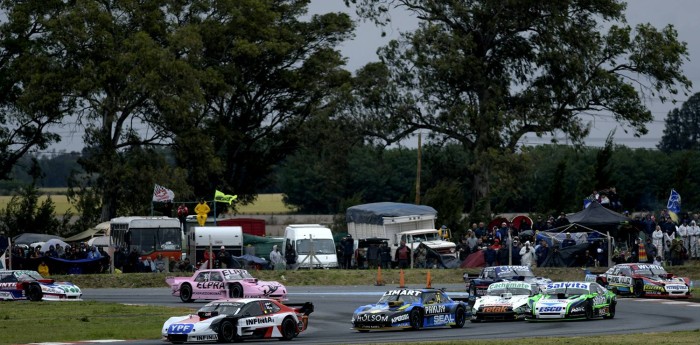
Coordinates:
column 252, row 258
column 53, row 242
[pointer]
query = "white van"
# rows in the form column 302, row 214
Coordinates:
column 313, row 244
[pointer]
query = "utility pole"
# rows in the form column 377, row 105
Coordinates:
column 418, row 171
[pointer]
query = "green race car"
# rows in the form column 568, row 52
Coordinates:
column 572, row 300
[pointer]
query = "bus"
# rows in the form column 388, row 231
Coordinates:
column 150, row 236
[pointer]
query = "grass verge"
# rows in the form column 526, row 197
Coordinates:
column 23, row 322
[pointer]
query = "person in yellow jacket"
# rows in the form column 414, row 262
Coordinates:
column 43, row 269
column 202, row 210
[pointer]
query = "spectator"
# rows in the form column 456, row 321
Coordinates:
column 480, row 231
column 360, row 257
column 502, row 255
column 373, row 255
column 658, row 260
column 276, row 258
column 403, row 255
column 658, row 240
column 463, row 249
column 159, row 264
column 472, row 242
column 202, row 210
column 677, row 252
column 182, row 213
column 542, row 252
column 490, row 255
column 650, row 250
column 667, row 251
column 37, row 253
column 561, row 220
column 147, row 265
column 290, row 256
column 502, row 232
column 172, row 264
column 60, row 251
column 515, row 252
column 568, row 241
column 385, row 255
column 186, row 266
column 93, row 253
column 527, row 255
column 421, row 256
column 52, row 253
column 223, row 258
column 43, row 269
column 348, row 251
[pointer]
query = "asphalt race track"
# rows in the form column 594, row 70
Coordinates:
column 330, row 322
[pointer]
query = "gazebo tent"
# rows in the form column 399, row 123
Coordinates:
column 595, row 216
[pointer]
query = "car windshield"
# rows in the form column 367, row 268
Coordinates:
column 406, row 296
column 514, row 271
column 568, row 292
column 28, row 275
column 650, row 270
column 431, row 236
column 320, row 246
column 228, row 308
column 512, row 290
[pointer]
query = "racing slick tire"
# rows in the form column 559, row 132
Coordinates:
column 638, row 288
column 416, row 319
column 186, row 293
column 460, row 318
column 589, row 309
column 611, row 311
column 236, row 290
column 289, row 329
column 227, row 332
column 34, row 293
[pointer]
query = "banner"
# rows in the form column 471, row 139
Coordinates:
column 162, row 194
column 674, row 205
column 221, row 197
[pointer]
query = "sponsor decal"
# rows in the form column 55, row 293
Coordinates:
column 8, row 285
column 269, row 289
column 206, row 337
column 575, row 285
column 620, row 280
column 258, row 320
column 578, row 310
column 402, row 293
column 495, row 309
column 599, row 300
column 603, row 311
column 676, row 288
column 210, row 285
column 370, row 318
column 399, row 318
column 180, row 328
column 509, row 285
column 5, row 295
column 442, row 319
column 435, row 309
column 650, row 287
column 555, row 309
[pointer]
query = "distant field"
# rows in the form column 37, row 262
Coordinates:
column 266, row 203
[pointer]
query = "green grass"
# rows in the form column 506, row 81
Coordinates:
column 24, row 322
column 265, row 204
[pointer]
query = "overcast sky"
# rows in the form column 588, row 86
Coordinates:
column 683, row 14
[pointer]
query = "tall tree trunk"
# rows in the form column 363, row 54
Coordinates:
column 481, row 191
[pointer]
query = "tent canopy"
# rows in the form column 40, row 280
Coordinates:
column 596, row 215
column 374, row 213
column 29, row 238
column 99, row 230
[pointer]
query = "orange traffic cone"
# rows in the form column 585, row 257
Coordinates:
column 429, row 283
column 380, row 281
column 402, row 283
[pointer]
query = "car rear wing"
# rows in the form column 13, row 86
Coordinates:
column 305, row 308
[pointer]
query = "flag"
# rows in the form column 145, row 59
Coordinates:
column 674, row 205
column 221, row 197
column 162, row 194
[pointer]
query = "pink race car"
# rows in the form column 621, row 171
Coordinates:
column 224, row 283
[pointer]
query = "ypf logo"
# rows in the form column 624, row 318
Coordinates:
column 180, row 328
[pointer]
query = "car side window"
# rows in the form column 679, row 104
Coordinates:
column 202, row 277
column 216, row 277
column 252, row 309
column 441, row 298
column 270, row 307
column 429, row 298
column 626, row 272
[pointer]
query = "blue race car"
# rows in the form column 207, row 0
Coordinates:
column 411, row 309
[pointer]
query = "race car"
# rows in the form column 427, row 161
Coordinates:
column 642, row 280
column 213, row 284
column 234, row 320
column 504, row 301
column 572, row 300
column 411, row 308
column 478, row 286
column 21, row 284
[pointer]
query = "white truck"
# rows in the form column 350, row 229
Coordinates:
column 398, row 222
column 206, row 238
column 314, row 245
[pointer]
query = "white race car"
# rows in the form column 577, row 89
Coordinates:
column 233, row 320
column 504, row 301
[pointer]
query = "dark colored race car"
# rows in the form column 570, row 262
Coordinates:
column 233, row 320
column 411, row 309
column 642, row 280
column 570, row 301
column 478, row 286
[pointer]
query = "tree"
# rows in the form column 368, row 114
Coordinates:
column 682, row 131
column 264, row 73
column 32, row 97
column 486, row 72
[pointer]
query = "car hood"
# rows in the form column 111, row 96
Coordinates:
column 60, row 287
column 514, row 301
column 380, row 307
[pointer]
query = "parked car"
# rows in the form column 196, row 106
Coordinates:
column 642, row 280
column 409, row 308
column 572, row 300
column 22, row 284
column 233, row 320
column 213, row 284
